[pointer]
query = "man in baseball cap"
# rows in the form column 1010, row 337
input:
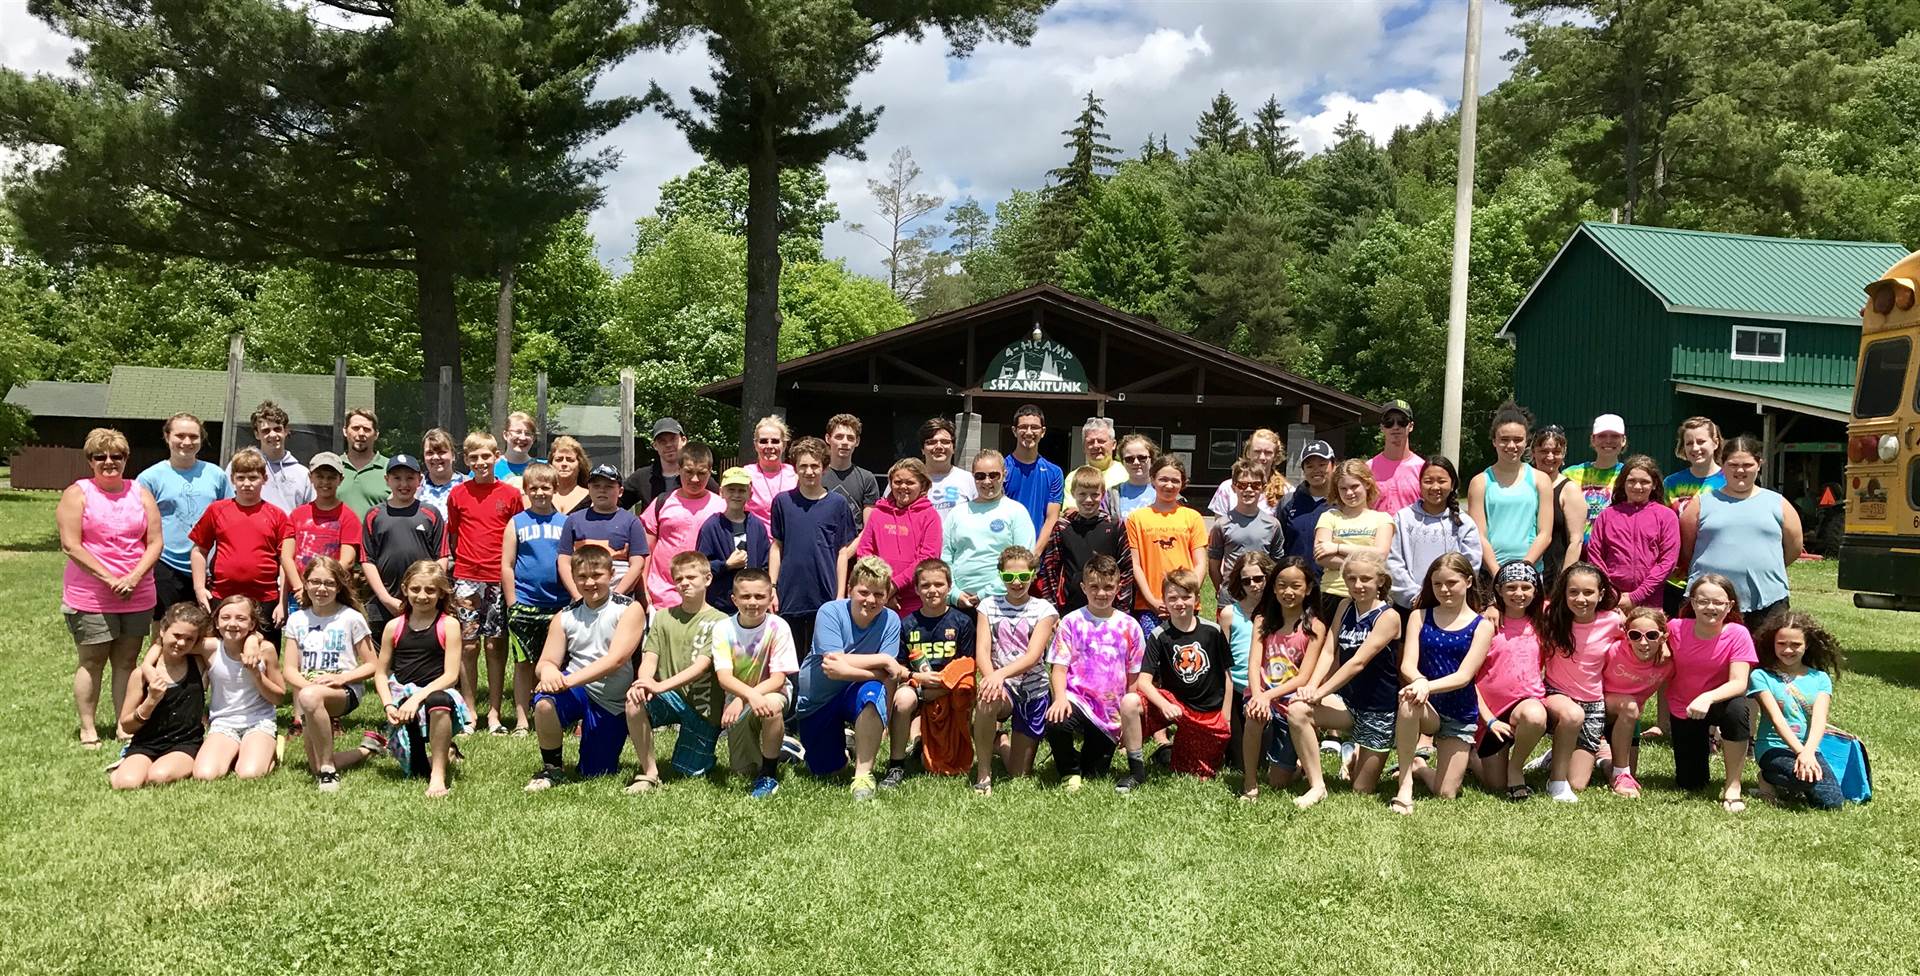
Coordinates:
column 1300, row 513
column 1396, row 469
column 663, row 475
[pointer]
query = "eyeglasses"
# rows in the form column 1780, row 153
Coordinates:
column 1643, row 635
column 1390, row 423
column 1706, row 604
column 1136, row 458
column 988, row 475
column 1022, row 576
column 101, row 458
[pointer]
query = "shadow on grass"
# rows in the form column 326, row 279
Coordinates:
column 50, row 542
column 1898, row 667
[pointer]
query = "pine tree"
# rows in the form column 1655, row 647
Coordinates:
column 1351, row 184
column 1271, row 140
column 1220, row 127
column 1092, row 159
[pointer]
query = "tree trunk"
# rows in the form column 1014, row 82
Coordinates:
column 758, row 373
column 503, row 345
column 439, row 327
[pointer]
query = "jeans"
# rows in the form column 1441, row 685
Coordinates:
column 1735, row 719
column 1776, row 767
column 1091, row 755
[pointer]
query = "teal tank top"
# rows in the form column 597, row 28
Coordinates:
column 1240, row 641
column 1513, row 515
column 1740, row 538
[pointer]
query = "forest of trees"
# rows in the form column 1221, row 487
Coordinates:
column 1788, row 117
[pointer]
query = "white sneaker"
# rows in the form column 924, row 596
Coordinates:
column 1539, row 762
column 1561, row 792
column 1330, row 746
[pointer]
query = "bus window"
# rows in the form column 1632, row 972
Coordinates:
column 1883, row 371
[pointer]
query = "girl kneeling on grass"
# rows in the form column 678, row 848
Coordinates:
column 1513, row 709
column 1794, row 687
column 1359, row 696
column 166, row 696
column 1637, row 666
column 1713, row 657
column 243, row 679
column 419, row 665
column 1287, row 638
column 1581, row 625
column 1446, row 644
column 329, row 652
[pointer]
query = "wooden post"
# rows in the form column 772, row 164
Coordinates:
column 230, row 421
column 339, row 404
column 1769, row 445
column 446, row 403
column 626, row 420
column 540, row 413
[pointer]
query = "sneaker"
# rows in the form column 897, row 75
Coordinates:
column 1126, row 784
column 544, row 779
column 1539, row 762
column 895, row 776
column 792, row 751
column 764, row 788
column 1162, row 757
column 372, row 743
column 863, row 786
column 1330, row 746
column 1625, row 785
column 327, row 781
column 1073, row 784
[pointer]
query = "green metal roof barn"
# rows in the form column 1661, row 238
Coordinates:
column 1658, row 324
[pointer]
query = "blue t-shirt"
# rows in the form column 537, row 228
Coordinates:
column 811, row 533
column 183, row 496
column 1811, row 686
column 504, row 469
column 834, row 631
column 1035, row 486
column 619, row 530
column 536, row 560
column 1129, row 496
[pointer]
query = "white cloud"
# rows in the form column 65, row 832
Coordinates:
column 1153, row 66
column 1377, row 116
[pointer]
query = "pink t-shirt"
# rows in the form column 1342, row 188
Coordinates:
column 1699, row 665
column 113, row 527
column 1511, row 673
column 1100, row 654
column 673, row 524
column 1399, row 481
column 1630, row 677
column 1577, row 675
column 1282, row 654
column 760, row 493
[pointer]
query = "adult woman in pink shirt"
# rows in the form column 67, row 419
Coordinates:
column 903, row 529
column 770, row 471
column 1636, row 539
column 110, row 530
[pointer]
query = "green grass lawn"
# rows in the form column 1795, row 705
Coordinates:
column 271, row 877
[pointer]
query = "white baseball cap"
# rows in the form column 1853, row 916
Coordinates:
column 1609, row 423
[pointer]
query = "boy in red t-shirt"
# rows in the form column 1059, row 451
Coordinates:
column 478, row 511
column 244, row 536
column 322, row 527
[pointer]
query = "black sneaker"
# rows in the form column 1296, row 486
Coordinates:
column 1127, row 784
column 327, row 781
column 895, row 776
column 1162, row 757
column 545, row 779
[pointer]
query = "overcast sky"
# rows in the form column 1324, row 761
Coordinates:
column 991, row 123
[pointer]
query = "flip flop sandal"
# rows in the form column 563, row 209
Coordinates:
column 1519, row 794
column 983, row 788
column 643, row 784
column 1734, row 805
column 1399, row 806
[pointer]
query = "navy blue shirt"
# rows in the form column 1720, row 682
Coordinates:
column 931, row 643
column 719, row 536
column 811, row 533
column 619, row 530
column 1299, row 514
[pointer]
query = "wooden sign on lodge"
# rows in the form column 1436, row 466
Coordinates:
column 1035, row 366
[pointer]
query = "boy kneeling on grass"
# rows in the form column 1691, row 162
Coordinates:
column 849, row 675
column 680, row 642
column 939, row 644
column 754, row 659
column 585, row 672
column 1185, row 682
column 1096, row 655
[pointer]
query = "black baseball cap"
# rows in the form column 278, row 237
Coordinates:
column 406, row 461
column 1316, row 449
column 606, row 471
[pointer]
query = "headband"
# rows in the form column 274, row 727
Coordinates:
column 1518, row 571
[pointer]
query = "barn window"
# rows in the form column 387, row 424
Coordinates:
column 1760, row 345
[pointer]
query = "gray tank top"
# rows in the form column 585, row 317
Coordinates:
column 232, row 696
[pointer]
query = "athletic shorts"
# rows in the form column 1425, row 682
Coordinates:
column 823, row 732
column 1593, row 724
column 191, row 747
column 743, row 736
column 693, row 747
column 170, row 586
column 1372, row 731
column 478, row 607
column 1279, row 749
column 102, row 628
column 527, row 631
column 1200, row 740
column 238, row 731
column 1029, row 712
column 603, row 734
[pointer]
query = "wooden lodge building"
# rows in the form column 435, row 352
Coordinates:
column 1074, row 357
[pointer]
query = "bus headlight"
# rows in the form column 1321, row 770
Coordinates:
column 1889, row 447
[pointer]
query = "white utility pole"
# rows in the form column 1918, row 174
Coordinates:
column 1462, row 240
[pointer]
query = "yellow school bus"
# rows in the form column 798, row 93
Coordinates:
column 1880, row 552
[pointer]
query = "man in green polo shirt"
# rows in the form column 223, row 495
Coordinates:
column 363, row 485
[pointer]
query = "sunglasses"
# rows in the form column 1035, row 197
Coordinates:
column 1643, row 635
column 1555, row 429
column 1022, row 576
column 98, row 458
column 1137, row 458
column 1250, row 578
column 769, row 440
column 987, row 476
column 1391, row 424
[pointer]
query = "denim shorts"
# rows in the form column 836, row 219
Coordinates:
column 1279, row 745
column 1455, row 729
